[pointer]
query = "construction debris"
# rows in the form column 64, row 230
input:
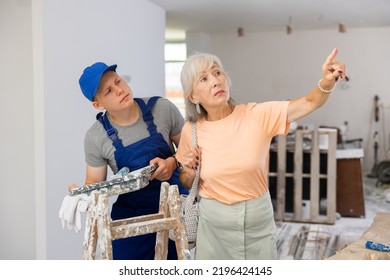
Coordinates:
column 310, row 242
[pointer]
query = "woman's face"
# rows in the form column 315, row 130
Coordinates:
column 210, row 88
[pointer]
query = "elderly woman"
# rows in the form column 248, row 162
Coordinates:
column 236, row 215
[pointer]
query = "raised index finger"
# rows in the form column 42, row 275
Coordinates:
column 331, row 57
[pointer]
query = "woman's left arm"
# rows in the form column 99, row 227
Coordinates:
column 332, row 70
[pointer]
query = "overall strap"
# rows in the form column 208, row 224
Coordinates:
column 147, row 112
column 112, row 133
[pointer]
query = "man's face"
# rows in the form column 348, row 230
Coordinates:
column 113, row 93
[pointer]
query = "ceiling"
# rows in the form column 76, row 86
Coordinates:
column 226, row 16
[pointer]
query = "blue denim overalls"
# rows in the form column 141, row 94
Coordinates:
column 146, row 200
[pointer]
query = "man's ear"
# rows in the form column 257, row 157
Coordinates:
column 97, row 105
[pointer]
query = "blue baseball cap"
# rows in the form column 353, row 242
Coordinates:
column 90, row 79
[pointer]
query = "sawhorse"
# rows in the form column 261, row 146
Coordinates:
column 100, row 230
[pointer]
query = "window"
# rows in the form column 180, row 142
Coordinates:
column 175, row 55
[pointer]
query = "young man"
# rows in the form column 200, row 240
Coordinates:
column 133, row 133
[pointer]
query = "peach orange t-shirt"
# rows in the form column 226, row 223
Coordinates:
column 235, row 150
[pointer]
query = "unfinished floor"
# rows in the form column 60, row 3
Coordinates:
column 319, row 241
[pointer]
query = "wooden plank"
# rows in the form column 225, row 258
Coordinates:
column 143, row 228
column 161, row 246
column 298, row 163
column 304, row 175
column 281, row 179
column 90, row 234
column 379, row 231
column 331, row 180
column 138, row 219
column 179, row 232
column 103, row 227
column 314, row 180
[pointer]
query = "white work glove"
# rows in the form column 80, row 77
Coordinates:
column 73, row 206
column 71, row 209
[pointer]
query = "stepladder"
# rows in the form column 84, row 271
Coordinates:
column 100, row 230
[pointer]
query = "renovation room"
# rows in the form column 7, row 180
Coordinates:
column 272, row 50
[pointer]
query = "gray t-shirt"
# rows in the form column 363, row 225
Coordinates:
column 99, row 150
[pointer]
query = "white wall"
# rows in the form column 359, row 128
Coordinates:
column 276, row 66
column 17, row 203
column 49, row 43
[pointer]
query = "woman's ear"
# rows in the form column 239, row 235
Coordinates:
column 192, row 99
